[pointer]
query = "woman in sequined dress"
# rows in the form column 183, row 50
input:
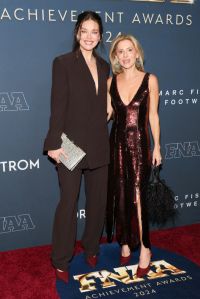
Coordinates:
column 133, row 97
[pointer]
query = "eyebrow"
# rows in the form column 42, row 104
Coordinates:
column 87, row 29
column 131, row 47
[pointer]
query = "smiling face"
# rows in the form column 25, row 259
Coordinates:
column 88, row 35
column 126, row 54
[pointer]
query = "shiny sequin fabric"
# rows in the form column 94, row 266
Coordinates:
column 130, row 166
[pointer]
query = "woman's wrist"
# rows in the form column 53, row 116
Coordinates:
column 157, row 147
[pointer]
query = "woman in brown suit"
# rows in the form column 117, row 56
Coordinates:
column 78, row 108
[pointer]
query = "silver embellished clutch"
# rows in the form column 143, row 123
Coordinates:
column 74, row 153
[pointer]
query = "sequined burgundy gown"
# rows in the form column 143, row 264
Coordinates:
column 130, row 166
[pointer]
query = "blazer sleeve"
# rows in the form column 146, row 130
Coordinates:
column 59, row 95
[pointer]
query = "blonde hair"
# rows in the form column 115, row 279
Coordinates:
column 116, row 67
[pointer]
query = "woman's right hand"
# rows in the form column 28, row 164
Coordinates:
column 54, row 154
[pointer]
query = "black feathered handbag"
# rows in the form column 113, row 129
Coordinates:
column 160, row 199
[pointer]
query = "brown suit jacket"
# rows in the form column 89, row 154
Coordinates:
column 76, row 109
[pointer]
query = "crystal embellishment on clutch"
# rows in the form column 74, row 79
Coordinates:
column 74, row 153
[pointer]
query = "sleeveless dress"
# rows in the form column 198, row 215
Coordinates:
column 130, row 167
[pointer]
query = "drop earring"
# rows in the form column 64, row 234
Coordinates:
column 137, row 62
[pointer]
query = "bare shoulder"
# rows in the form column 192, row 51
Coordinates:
column 153, row 81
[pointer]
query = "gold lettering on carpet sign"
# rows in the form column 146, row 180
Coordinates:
column 171, row 1
column 85, row 283
column 161, row 267
column 108, row 279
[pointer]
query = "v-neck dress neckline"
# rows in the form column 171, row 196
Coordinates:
column 134, row 96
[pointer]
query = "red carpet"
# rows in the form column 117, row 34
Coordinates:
column 27, row 273
column 183, row 240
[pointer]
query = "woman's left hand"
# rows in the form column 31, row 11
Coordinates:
column 156, row 157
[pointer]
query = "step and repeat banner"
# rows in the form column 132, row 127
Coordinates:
column 34, row 32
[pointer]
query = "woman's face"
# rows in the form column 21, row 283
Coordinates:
column 88, row 35
column 126, row 54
